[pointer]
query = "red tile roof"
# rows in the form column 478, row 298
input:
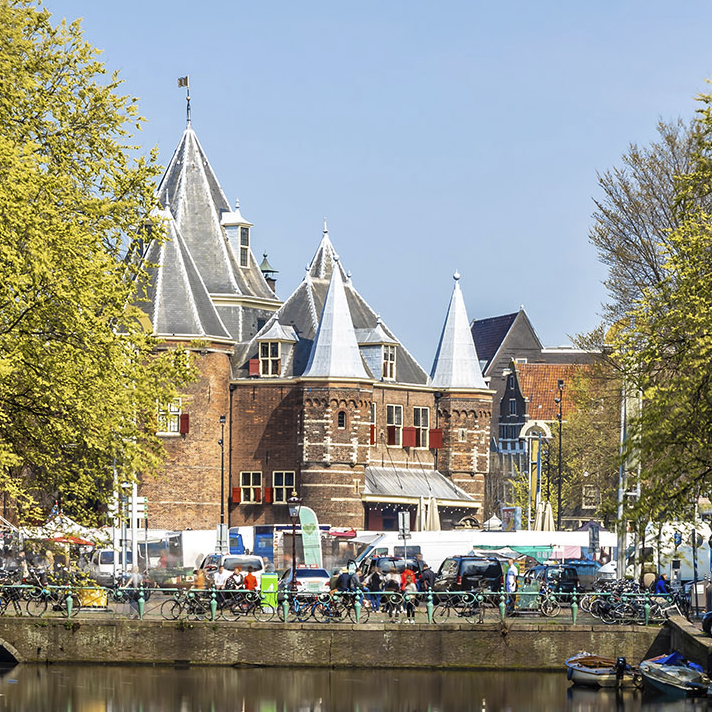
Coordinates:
column 539, row 384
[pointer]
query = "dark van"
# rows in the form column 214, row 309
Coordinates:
column 562, row 578
column 467, row 573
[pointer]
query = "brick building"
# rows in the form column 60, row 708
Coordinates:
column 315, row 395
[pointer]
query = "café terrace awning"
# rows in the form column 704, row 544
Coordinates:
column 401, row 486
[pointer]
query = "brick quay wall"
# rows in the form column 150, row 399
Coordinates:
column 514, row 645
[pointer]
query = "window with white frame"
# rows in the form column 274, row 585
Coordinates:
column 373, row 413
column 510, row 381
column 270, row 362
column 462, row 435
column 389, row 363
column 169, row 418
column 282, row 486
column 394, row 421
column 512, row 406
column 341, row 420
column 251, row 486
column 244, row 247
column 589, row 497
column 421, row 421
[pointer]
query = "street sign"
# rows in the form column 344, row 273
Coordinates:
column 403, row 524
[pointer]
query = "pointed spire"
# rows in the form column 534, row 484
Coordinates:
column 456, row 364
column 335, row 352
column 325, row 259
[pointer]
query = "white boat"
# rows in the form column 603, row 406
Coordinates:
column 597, row 671
column 673, row 675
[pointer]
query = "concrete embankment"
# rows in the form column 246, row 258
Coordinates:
column 513, row 645
column 689, row 640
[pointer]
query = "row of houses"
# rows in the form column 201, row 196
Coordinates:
column 316, row 394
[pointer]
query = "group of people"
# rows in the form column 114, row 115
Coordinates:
column 380, row 585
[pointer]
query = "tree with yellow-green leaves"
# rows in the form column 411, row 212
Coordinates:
column 79, row 384
column 666, row 352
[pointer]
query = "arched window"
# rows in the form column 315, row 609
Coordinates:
column 341, row 419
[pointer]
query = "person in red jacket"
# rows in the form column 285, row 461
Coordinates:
column 250, row 582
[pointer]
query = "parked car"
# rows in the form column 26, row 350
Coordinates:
column 309, row 579
column 101, row 565
column 562, row 578
column 465, row 573
column 212, row 562
column 587, row 572
column 386, row 563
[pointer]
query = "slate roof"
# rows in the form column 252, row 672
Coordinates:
column 303, row 308
column 396, row 482
column 538, row 382
column 456, row 364
column 190, row 190
column 178, row 302
column 489, row 334
column 335, row 350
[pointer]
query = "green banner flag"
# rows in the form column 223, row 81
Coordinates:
column 311, row 537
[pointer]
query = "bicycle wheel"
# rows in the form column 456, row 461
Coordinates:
column 198, row 609
column 441, row 613
column 171, row 610
column 36, row 607
column 263, row 612
column 363, row 615
column 549, row 607
column 64, row 605
column 585, row 603
column 291, row 613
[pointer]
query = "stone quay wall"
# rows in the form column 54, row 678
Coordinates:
column 516, row 645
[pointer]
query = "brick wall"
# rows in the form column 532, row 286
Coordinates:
column 187, row 494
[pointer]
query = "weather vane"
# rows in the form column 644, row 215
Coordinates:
column 183, row 82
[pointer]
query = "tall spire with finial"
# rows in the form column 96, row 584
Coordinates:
column 184, row 82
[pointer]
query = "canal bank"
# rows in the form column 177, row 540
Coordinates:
column 512, row 645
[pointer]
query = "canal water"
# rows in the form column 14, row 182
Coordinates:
column 80, row 688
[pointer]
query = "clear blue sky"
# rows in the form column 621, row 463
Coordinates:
column 434, row 136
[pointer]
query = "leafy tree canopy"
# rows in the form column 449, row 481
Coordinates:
column 78, row 384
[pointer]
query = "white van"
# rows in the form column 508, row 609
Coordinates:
column 105, row 564
column 212, row 562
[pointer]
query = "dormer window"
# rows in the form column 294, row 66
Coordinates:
column 389, row 363
column 270, row 361
column 244, row 246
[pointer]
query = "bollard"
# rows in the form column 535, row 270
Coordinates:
column 70, row 603
column 481, row 607
column 141, row 603
column 213, row 605
column 357, row 606
column 285, row 607
column 646, row 608
column 502, row 607
column 574, row 608
column 429, row 607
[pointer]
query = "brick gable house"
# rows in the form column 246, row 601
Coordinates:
column 316, row 394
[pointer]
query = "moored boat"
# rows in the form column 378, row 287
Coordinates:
column 673, row 675
column 598, row 671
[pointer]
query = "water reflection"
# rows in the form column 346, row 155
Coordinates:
column 144, row 689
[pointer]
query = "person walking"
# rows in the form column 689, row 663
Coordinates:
column 391, row 588
column 511, row 583
column 374, row 583
column 427, row 578
column 250, row 581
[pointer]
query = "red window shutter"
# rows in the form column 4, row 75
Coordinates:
column 392, row 435
column 436, row 438
column 268, row 495
column 254, row 367
column 409, row 437
column 184, row 424
column 258, row 494
column 373, row 434
column 236, row 495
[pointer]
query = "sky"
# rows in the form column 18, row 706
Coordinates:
column 433, row 136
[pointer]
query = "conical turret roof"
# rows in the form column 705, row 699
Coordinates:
column 456, row 364
column 191, row 191
column 178, row 304
column 335, row 352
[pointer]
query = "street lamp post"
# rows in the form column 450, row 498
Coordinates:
column 222, row 469
column 295, row 504
column 558, row 416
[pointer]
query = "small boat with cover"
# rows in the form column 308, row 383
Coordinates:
column 675, row 676
column 597, row 671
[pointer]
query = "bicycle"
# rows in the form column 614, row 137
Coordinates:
column 250, row 603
